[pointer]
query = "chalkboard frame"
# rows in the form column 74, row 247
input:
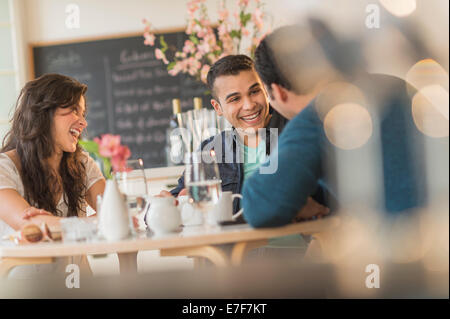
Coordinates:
column 116, row 36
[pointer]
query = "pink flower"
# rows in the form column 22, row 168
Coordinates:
column 149, row 39
column 257, row 18
column 198, row 55
column 243, row 2
column 161, row 56
column 205, row 22
column 223, row 14
column 118, row 161
column 202, row 33
column 228, row 45
column 193, row 66
column 223, row 29
column 108, row 145
column 212, row 58
column 184, row 65
column 148, row 25
column 180, row 55
column 203, row 48
column 173, row 72
column 211, row 39
column 188, row 47
column 195, row 59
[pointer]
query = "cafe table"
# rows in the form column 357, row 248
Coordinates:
column 221, row 245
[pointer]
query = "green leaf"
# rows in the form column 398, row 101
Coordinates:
column 89, row 146
column 164, row 45
column 245, row 18
column 235, row 34
column 171, row 65
column 194, row 39
column 107, row 168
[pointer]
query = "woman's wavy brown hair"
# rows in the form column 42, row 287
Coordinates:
column 31, row 137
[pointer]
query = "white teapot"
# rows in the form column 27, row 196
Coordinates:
column 163, row 216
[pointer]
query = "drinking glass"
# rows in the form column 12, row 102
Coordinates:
column 202, row 180
column 133, row 184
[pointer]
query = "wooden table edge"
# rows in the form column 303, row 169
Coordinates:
column 133, row 245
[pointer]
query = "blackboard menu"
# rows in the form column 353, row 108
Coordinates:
column 129, row 91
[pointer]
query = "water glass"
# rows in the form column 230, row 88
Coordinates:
column 202, row 180
column 132, row 183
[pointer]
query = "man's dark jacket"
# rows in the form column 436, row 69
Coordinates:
column 232, row 173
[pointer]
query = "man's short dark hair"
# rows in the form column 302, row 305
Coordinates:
column 266, row 68
column 293, row 58
column 228, row 65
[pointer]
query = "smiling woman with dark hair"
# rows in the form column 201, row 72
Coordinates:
column 44, row 174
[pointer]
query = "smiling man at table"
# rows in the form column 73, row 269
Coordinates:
column 294, row 68
column 239, row 96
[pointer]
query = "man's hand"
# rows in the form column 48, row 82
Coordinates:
column 311, row 210
column 169, row 194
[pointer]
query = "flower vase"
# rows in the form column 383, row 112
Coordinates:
column 113, row 219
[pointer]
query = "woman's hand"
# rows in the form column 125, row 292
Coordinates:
column 164, row 194
column 169, row 194
column 33, row 211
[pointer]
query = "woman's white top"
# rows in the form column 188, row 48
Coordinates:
column 10, row 178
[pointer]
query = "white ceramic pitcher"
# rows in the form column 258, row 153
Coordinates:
column 114, row 222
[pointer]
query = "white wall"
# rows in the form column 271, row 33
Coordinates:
column 44, row 20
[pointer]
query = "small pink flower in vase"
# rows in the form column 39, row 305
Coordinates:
column 119, row 161
column 109, row 147
column 108, row 144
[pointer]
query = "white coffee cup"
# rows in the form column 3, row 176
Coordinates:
column 223, row 210
column 189, row 215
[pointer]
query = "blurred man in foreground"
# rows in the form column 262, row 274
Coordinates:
column 306, row 86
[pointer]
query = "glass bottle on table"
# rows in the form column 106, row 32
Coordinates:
column 199, row 123
column 198, row 103
column 175, row 121
column 174, row 148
